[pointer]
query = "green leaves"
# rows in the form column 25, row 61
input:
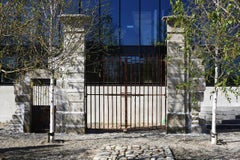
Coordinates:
column 213, row 30
column 178, row 7
column 214, row 16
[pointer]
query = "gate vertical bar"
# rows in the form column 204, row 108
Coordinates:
column 108, row 107
column 130, row 85
column 125, row 81
column 95, row 113
column 117, row 79
column 144, row 74
column 135, row 87
column 157, row 95
column 99, row 105
column 90, row 116
column 153, row 60
column 148, row 85
column 31, row 108
column 164, row 64
column 161, row 89
column 103, row 115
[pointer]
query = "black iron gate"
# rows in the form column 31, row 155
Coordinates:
column 126, row 91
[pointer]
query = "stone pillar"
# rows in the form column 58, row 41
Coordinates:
column 70, row 114
column 178, row 106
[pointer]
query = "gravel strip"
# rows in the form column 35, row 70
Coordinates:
column 29, row 146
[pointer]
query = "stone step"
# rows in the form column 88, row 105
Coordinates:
column 195, row 117
column 208, row 117
column 219, row 112
column 221, row 109
column 225, row 126
column 231, row 121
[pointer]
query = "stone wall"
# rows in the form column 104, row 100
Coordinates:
column 7, row 100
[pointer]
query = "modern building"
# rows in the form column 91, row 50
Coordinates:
column 120, row 79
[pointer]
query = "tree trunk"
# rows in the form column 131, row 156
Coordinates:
column 52, row 110
column 51, row 125
column 214, row 137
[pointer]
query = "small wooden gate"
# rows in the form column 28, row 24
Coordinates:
column 40, row 105
column 127, row 92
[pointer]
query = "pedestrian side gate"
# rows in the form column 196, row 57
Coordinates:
column 40, row 105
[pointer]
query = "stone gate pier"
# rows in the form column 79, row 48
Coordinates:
column 70, row 114
column 181, row 112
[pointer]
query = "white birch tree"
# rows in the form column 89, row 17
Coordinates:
column 212, row 32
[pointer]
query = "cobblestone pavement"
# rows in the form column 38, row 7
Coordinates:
column 132, row 152
column 31, row 146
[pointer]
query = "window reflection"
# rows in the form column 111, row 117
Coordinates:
column 131, row 67
column 136, row 28
column 133, row 22
column 149, row 19
column 129, row 22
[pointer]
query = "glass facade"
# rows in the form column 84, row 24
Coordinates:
column 133, row 22
column 136, row 30
column 129, row 23
column 136, row 22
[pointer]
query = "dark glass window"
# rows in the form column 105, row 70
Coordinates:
column 133, row 22
column 149, row 22
column 130, row 65
column 114, row 12
column 130, row 22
